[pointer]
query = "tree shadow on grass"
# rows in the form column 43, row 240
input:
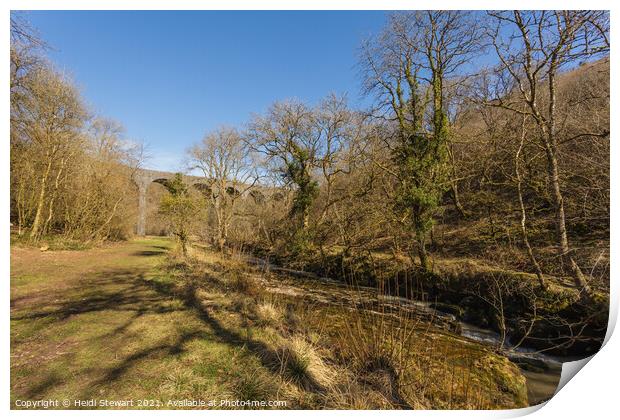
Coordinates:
column 39, row 390
column 268, row 357
column 128, row 290
column 161, row 350
column 122, row 290
column 187, row 293
column 164, row 247
column 148, row 253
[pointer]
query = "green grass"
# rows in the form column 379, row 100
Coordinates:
column 98, row 328
column 128, row 321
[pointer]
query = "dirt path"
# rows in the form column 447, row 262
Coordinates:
column 90, row 324
column 38, row 276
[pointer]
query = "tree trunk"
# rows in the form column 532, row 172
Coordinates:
column 21, row 217
column 524, row 233
column 50, row 213
column 422, row 254
column 526, row 241
column 221, row 240
column 560, row 222
column 184, row 247
column 456, row 199
column 554, row 177
column 36, row 225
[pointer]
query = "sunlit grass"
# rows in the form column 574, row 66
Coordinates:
column 132, row 322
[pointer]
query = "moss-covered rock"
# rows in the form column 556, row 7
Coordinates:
column 506, row 377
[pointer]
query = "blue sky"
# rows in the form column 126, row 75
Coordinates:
column 169, row 77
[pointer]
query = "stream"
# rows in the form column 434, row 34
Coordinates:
column 542, row 372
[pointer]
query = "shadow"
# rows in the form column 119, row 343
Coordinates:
column 122, row 328
column 38, row 391
column 161, row 350
column 132, row 295
column 129, row 290
column 18, row 301
column 187, row 293
column 148, row 253
column 268, row 357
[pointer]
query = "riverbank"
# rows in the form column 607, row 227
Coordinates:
column 557, row 320
column 129, row 321
column 542, row 372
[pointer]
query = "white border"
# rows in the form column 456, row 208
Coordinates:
column 592, row 395
column 302, row 5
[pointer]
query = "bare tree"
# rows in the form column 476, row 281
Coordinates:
column 287, row 135
column 225, row 161
column 540, row 45
column 342, row 132
column 55, row 120
column 523, row 222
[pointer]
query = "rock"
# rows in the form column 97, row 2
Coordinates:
column 44, row 247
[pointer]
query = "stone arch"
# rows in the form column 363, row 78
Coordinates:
column 162, row 181
column 145, row 177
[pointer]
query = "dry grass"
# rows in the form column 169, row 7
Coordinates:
column 412, row 365
column 243, row 283
column 301, row 362
column 268, row 313
column 381, row 350
column 328, row 356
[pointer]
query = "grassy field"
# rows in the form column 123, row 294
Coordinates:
column 128, row 322
column 87, row 324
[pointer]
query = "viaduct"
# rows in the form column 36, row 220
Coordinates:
column 144, row 177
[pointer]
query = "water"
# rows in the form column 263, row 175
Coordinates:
column 542, row 372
